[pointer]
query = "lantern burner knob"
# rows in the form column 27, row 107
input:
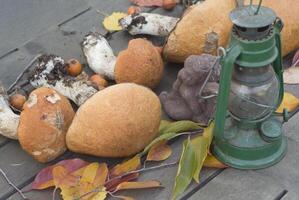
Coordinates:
column 252, row 22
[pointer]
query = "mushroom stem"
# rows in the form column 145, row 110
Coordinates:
column 148, row 23
column 99, row 55
column 9, row 121
column 50, row 73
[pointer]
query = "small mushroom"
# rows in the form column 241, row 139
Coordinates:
column 51, row 72
column 149, row 24
column 9, row 121
column 44, row 122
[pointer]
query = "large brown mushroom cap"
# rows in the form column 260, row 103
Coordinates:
column 116, row 122
column 44, row 123
column 141, row 63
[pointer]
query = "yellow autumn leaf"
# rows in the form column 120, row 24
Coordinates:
column 289, row 102
column 127, row 166
column 212, row 162
column 111, row 22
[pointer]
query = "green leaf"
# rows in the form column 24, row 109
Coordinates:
column 186, row 169
column 164, row 124
column 180, row 126
column 166, row 136
column 208, row 133
column 200, row 144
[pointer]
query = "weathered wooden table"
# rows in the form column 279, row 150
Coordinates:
column 29, row 27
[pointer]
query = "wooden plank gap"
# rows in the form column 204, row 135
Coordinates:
column 9, row 52
column 20, row 186
column 281, row 195
column 74, row 17
column 202, row 184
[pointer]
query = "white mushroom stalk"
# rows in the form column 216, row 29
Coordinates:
column 149, row 24
column 99, row 55
column 9, row 121
column 51, row 72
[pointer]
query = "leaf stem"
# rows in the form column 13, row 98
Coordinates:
column 128, row 173
column 13, row 185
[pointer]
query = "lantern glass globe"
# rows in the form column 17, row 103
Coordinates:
column 254, row 92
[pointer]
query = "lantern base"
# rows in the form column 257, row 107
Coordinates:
column 248, row 149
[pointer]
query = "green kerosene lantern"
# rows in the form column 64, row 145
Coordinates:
column 247, row 133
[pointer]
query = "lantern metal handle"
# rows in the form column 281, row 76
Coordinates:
column 220, row 53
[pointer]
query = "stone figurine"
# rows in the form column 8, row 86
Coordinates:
column 184, row 102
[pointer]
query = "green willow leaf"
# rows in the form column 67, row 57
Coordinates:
column 164, row 124
column 186, row 169
column 200, row 144
column 166, row 136
column 180, row 126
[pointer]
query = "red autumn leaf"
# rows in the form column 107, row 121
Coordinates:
column 114, row 182
column 44, row 178
column 295, row 61
column 62, row 178
column 211, row 161
column 127, row 166
column 138, row 185
column 159, row 151
column 148, row 3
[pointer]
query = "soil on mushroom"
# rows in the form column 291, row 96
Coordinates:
column 59, row 72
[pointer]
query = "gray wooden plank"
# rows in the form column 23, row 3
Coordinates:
column 22, row 20
column 260, row 184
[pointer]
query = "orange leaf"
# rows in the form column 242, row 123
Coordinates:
column 138, row 185
column 62, row 178
column 148, row 3
column 101, row 175
column 159, row 151
column 127, row 166
column 211, row 161
column 44, row 178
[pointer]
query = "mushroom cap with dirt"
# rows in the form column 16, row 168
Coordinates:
column 44, row 122
column 118, row 121
column 140, row 63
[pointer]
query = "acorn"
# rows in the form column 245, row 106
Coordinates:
column 17, row 101
column 74, row 67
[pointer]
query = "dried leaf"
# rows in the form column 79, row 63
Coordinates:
column 148, row 3
column 93, row 178
column 159, row 151
column 113, row 183
column 181, row 126
column 44, row 178
column 212, row 162
column 291, row 75
column 295, row 61
column 111, row 22
column 127, row 166
column 138, row 185
column 208, row 133
column 62, row 178
column 186, row 169
column 289, row 102
column 200, row 145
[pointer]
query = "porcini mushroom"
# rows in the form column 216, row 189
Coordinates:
column 140, row 63
column 51, row 72
column 44, row 122
column 149, row 24
column 9, row 121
